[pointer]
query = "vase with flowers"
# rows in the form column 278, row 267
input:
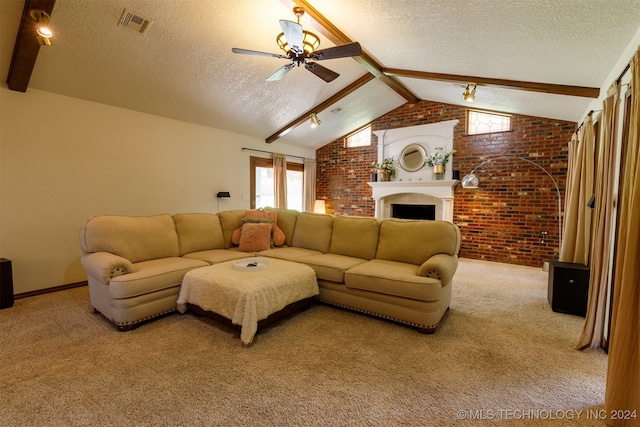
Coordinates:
column 438, row 161
column 386, row 170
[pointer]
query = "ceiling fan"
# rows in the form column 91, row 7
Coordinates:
column 300, row 48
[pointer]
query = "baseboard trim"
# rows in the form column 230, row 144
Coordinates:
column 50, row 290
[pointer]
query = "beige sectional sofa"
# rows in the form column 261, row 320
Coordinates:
column 396, row 269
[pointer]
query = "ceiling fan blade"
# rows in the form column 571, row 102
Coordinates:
column 255, row 52
column 280, row 73
column 342, row 51
column 293, row 33
column 324, row 73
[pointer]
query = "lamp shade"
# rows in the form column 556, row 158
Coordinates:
column 319, row 207
column 470, row 181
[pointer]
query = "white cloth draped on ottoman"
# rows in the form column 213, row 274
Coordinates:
column 246, row 297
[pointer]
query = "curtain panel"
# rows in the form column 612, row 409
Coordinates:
column 576, row 233
column 623, row 375
column 604, row 217
column 280, row 180
column 309, row 183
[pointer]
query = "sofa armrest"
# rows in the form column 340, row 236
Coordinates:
column 439, row 266
column 105, row 265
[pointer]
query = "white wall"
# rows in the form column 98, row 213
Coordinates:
column 622, row 62
column 63, row 160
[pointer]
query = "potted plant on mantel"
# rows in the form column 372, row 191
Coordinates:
column 386, row 170
column 438, row 161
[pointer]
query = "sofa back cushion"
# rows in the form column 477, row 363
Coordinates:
column 355, row 236
column 136, row 238
column 313, row 231
column 416, row 241
column 286, row 222
column 198, row 232
column 230, row 221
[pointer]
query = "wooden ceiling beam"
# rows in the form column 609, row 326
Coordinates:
column 333, row 33
column 586, row 92
column 321, row 107
column 26, row 48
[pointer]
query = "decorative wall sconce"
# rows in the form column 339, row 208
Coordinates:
column 469, row 96
column 222, row 195
column 43, row 30
column 315, row 121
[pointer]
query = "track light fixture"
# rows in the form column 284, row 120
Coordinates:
column 43, row 30
column 469, row 96
column 315, row 121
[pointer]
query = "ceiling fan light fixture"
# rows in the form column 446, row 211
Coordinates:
column 315, row 121
column 43, row 30
column 468, row 95
column 310, row 42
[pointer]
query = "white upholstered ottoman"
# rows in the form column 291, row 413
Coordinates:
column 250, row 294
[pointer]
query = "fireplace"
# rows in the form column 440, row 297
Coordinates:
column 406, row 211
column 436, row 193
column 415, row 187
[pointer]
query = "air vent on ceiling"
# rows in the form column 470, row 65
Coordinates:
column 134, row 21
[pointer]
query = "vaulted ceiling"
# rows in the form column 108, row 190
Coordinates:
column 183, row 68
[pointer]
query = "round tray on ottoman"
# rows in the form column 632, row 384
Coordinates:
column 251, row 264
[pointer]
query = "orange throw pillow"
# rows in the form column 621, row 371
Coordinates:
column 278, row 234
column 255, row 237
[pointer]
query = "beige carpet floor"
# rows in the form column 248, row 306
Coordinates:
column 499, row 357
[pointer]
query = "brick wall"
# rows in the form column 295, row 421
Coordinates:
column 501, row 221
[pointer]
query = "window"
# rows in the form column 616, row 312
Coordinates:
column 359, row 138
column 484, row 122
column 263, row 186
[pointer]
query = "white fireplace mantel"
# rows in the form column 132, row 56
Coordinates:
column 443, row 190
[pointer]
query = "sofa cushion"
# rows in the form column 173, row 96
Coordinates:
column 313, row 231
column 286, row 222
column 230, row 220
column 393, row 278
column 428, row 237
column 136, row 238
column 288, row 253
column 331, row 267
column 256, row 236
column 355, row 237
column 151, row 276
column 198, row 232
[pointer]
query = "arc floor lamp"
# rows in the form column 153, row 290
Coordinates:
column 472, row 181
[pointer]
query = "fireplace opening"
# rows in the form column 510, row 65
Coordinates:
column 404, row 211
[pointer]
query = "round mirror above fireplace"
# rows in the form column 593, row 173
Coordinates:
column 412, row 157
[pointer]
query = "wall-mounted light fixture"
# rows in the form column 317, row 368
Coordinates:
column 43, row 30
column 315, row 121
column 469, row 95
column 222, row 195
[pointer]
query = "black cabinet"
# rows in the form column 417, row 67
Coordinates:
column 6, row 284
column 568, row 288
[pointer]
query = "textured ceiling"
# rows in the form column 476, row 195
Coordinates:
column 183, row 67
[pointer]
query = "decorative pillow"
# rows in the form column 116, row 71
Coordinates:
column 278, row 234
column 255, row 237
column 235, row 237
